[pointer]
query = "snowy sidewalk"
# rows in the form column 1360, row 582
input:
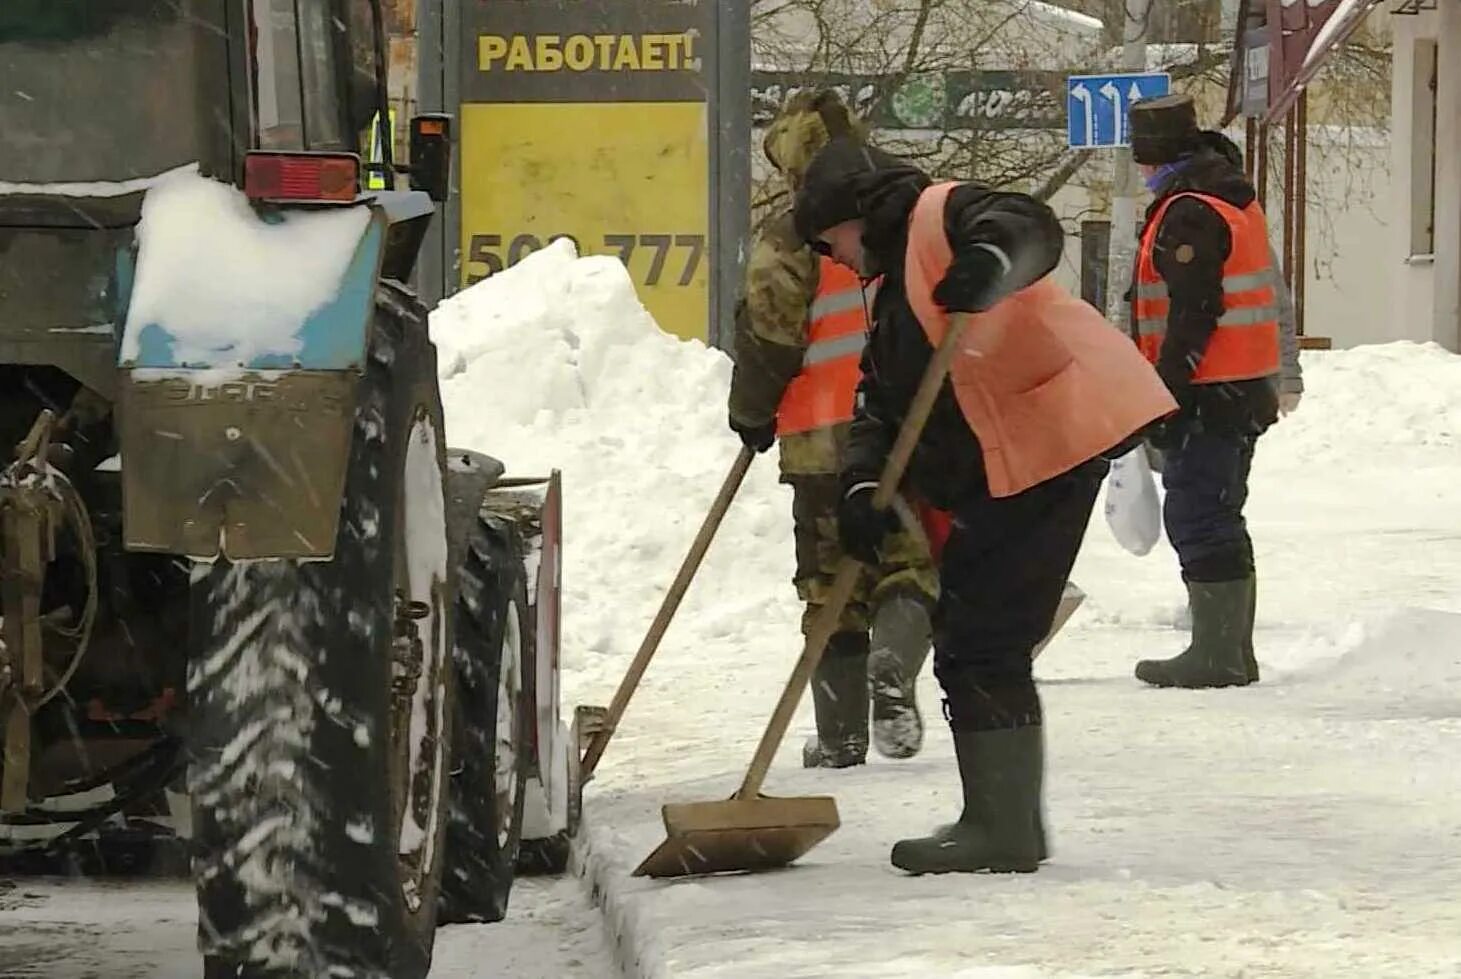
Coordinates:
column 1304, row 827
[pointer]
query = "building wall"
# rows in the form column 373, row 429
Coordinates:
column 1425, row 269
column 1410, row 263
column 1346, row 297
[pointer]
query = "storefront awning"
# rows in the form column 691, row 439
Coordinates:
column 1281, row 45
column 1322, row 36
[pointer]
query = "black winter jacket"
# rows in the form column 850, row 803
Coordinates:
column 948, row 465
column 1196, row 290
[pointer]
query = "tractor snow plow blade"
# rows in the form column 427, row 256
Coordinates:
column 739, row 834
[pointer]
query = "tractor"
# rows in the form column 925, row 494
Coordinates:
column 253, row 602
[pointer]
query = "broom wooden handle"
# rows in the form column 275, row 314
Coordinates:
column 666, row 614
column 848, row 571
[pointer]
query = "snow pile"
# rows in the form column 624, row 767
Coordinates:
column 554, row 363
column 226, row 286
column 1409, row 657
column 1370, row 400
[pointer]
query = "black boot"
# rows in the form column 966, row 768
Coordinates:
column 840, row 698
column 999, row 830
column 900, row 644
column 1221, row 619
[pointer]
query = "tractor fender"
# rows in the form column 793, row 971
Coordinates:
column 245, row 456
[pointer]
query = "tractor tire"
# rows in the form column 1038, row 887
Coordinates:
column 494, row 655
column 322, row 701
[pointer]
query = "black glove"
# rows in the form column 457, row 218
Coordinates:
column 1166, row 434
column 860, row 528
column 757, row 438
column 973, row 282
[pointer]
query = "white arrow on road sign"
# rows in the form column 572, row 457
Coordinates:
column 1114, row 94
column 1084, row 95
column 1133, row 97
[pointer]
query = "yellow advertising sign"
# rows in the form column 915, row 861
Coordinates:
column 626, row 179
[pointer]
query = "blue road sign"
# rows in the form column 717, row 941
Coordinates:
column 1096, row 106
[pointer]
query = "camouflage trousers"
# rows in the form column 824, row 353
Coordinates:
column 906, row 569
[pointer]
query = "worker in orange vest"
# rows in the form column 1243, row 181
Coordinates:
column 1042, row 393
column 1205, row 312
column 800, row 329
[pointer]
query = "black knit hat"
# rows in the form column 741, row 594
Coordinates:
column 830, row 189
column 1163, row 130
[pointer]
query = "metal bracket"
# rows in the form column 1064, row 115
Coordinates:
column 30, row 511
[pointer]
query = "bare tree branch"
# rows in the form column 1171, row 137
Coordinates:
column 1062, row 174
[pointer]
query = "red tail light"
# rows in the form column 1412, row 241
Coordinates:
column 321, row 177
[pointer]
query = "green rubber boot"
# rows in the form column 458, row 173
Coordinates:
column 1000, row 829
column 840, row 699
column 1222, row 630
column 901, row 636
column 1250, row 660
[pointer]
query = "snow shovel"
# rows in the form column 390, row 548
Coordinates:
column 610, row 722
column 749, row 831
column 1069, row 602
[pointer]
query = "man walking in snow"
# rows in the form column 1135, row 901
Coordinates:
column 800, row 328
column 1205, row 312
column 1041, row 393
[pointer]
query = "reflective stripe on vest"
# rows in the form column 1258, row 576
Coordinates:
column 825, row 392
column 1245, row 344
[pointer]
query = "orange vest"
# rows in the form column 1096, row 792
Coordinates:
column 1042, row 379
column 1245, row 344
column 825, row 392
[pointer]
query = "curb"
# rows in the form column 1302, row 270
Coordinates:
column 596, row 875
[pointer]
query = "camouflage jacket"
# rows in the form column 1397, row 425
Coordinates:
column 771, row 338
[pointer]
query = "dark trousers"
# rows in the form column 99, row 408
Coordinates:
column 1003, row 572
column 1206, row 478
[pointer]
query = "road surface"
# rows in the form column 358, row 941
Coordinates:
column 61, row 929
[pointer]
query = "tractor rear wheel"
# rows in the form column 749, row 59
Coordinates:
column 322, row 701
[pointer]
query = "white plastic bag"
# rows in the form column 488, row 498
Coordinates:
column 1133, row 509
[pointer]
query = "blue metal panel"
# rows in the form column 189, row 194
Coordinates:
column 125, row 273
column 334, row 336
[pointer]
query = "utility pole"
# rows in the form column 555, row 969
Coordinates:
column 1127, row 186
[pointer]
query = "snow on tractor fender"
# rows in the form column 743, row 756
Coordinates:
column 230, row 317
